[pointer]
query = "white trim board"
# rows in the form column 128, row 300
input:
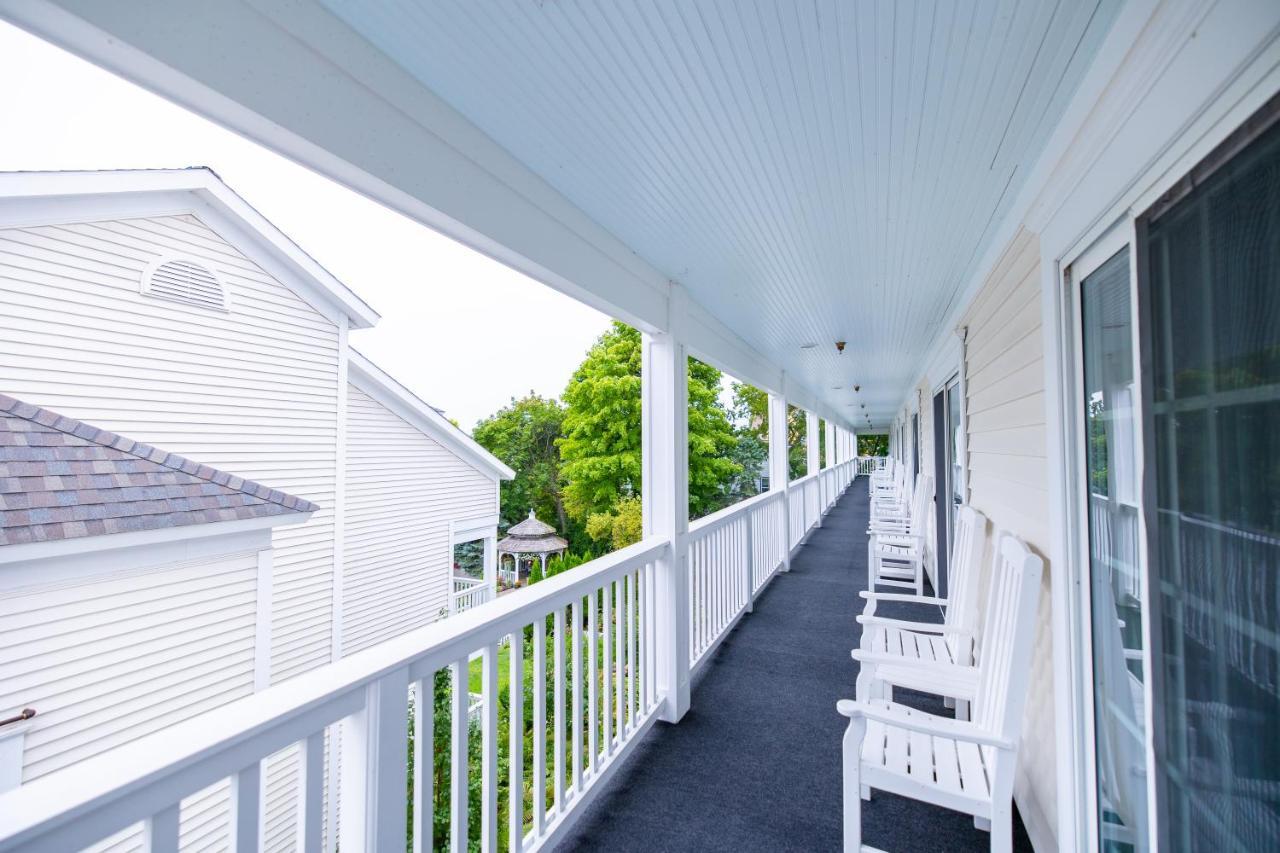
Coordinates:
column 17, row 561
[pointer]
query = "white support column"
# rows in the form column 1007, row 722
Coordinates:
column 811, row 443
column 779, row 470
column 833, row 455
column 665, row 452
column 491, row 564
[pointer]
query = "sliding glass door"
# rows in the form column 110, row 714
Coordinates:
column 1179, row 414
column 1211, row 295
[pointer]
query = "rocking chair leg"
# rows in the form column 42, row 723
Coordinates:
column 1002, row 830
column 853, row 788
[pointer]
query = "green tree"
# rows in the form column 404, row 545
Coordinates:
column 524, row 435
column 600, row 446
column 873, row 445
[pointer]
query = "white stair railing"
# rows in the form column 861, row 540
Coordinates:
column 468, row 593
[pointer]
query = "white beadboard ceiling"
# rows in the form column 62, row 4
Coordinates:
column 810, row 171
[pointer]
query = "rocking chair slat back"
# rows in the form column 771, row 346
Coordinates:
column 1005, row 657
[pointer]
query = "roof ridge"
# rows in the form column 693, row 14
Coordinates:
column 148, row 453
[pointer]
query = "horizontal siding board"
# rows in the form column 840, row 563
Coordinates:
column 123, row 677
column 1007, row 468
column 403, row 489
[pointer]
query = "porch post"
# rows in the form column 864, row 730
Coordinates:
column 832, row 456
column 779, row 473
column 811, row 443
column 491, row 564
column 665, row 499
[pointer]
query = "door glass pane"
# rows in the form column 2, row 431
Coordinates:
column 1214, row 261
column 1114, row 578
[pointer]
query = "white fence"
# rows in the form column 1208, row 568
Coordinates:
column 590, row 641
column 468, row 593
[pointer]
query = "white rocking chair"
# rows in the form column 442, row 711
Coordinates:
column 896, row 549
column 950, row 643
column 965, row 765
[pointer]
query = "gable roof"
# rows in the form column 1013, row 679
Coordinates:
column 377, row 383
column 62, row 479
column 44, row 198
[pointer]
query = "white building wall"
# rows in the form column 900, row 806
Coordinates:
column 403, row 489
column 108, row 657
column 252, row 391
column 1008, row 481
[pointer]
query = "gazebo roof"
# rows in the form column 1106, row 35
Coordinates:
column 532, row 536
column 531, row 526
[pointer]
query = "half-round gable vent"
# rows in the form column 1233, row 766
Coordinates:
column 185, row 281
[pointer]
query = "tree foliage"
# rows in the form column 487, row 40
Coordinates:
column 600, row 447
column 524, row 435
column 873, row 445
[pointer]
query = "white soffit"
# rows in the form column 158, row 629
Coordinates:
column 810, row 172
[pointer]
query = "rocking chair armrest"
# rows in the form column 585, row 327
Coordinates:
column 903, row 596
column 892, row 714
column 913, row 627
column 916, row 674
column 890, row 535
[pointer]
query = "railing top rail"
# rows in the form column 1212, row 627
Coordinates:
column 139, row 778
column 721, row 517
column 807, row 478
column 466, row 581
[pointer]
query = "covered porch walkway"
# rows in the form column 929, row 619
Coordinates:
column 755, row 763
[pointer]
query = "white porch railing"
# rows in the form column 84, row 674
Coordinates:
column 468, row 593
column 602, row 698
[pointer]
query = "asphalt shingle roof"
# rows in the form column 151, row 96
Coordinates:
column 61, row 478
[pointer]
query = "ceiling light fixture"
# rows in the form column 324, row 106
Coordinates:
column 808, row 346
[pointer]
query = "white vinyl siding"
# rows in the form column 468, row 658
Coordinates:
column 1008, row 478
column 252, row 391
column 403, row 489
column 109, row 658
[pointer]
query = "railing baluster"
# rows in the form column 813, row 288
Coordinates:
column 160, row 831
column 310, row 811
column 606, row 670
column 459, row 754
column 621, row 728
column 575, row 662
column 246, row 788
column 651, row 635
column 515, row 784
column 539, row 726
column 424, row 735
column 593, row 698
column 557, row 756
column 489, row 749
column 631, row 646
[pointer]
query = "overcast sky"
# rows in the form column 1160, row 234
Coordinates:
column 460, row 330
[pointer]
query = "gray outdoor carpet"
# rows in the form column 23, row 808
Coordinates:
column 755, row 764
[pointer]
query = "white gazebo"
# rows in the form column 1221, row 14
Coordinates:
column 530, row 538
